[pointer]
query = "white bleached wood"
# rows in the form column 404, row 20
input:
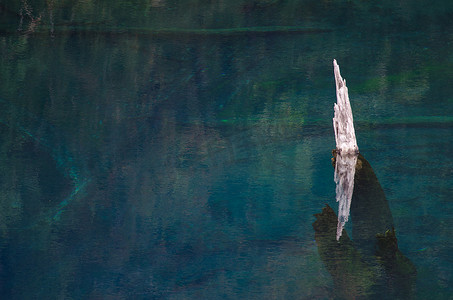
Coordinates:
column 346, row 149
column 343, row 122
column 344, row 180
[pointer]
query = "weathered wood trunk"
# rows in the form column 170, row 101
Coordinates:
column 362, row 267
column 346, row 150
column 343, row 122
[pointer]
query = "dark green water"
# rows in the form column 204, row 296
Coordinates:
column 178, row 150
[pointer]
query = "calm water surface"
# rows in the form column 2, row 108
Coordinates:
column 176, row 151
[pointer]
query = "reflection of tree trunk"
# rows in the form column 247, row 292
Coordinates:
column 373, row 261
column 344, row 180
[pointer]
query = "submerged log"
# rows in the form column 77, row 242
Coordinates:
column 371, row 260
column 352, row 276
column 370, row 211
column 387, row 274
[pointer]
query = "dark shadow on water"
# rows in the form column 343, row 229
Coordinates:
column 370, row 266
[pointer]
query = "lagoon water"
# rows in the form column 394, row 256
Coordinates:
column 178, row 150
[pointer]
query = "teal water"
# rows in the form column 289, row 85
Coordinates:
column 178, row 150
